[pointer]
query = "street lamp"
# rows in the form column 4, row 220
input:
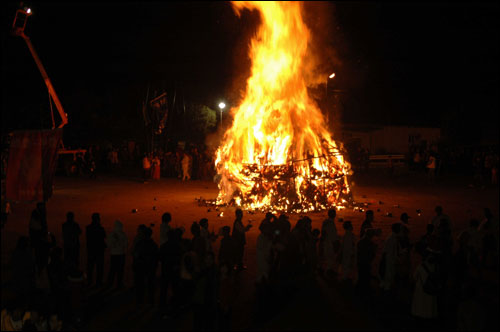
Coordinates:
column 332, row 75
column 221, row 106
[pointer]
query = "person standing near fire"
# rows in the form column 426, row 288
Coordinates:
column 146, row 167
column 329, row 241
column 239, row 239
column 156, row 167
column 347, row 252
column 186, row 161
column 431, row 167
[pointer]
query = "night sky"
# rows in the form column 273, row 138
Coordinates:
column 409, row 64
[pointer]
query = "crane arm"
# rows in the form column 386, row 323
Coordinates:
column 47, row 81
column 19, row 30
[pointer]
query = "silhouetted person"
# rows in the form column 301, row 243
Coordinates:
column 23, row 269
column 71, row 240
column 198, row 244
column 404, row 263
column 58, row 275
column 239, row 239
column 117, row 242
column 489, row 257
column 367, row 223
column 190, row 269
column 264, row 252
column 490, row 225
column 348, row 251
column 366, row 251
column 445, row 247
column 329, row 241
column 170, row 258
column 166, row 218
column 390, row 255
column 461, row 260
column 226, row 254
column 264, row 260
column 440, row 217
column 475, row 241
column 268, row 220
column 205, row 297
column 145, row 265
column 47, row 242
column 470, row 313
column 96, row 245
column 37, row 225
column 208, row 236
column 424, row 305
column 425, row 241
column 308, row 247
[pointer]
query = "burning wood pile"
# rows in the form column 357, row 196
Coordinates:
column 278, row 154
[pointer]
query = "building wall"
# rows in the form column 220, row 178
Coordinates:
column 390, row 139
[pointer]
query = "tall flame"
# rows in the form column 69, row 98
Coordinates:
column 278, row 154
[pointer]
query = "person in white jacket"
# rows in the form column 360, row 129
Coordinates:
column 117, row 243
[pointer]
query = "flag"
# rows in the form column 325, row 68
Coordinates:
column 31, row 164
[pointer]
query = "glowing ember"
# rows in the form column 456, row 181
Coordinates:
column 278, row 154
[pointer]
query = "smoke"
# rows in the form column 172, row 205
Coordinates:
column 322, row 57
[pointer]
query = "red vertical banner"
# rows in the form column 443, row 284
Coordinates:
column 31, row 165
column 50, row 142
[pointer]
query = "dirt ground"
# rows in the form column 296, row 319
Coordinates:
column 114, row 197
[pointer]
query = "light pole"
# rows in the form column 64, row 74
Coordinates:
column 221, row 107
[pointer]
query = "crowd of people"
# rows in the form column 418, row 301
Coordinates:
column 50, row 285
column 185, row 164
column 478, row 163
column 191, row 162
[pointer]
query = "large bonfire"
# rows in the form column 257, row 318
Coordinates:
column 278, row 154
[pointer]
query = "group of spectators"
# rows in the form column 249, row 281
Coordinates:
column 50, row 286
column 480, row 164
column 193, row 162
column 186, row 164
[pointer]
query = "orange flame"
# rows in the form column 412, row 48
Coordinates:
column 278, row 154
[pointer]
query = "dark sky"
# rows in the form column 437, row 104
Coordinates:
column 417, row 64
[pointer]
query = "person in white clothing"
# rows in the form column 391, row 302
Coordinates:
column 117, row 243
column 186, row 161
column 166, row 218
column 390, row 256
column 423, row 305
